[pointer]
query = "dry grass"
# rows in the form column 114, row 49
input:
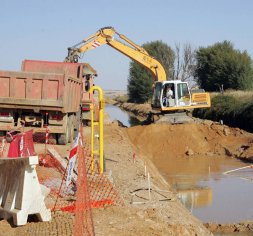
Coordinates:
column 239, row 94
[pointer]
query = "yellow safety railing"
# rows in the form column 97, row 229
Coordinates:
column 100, row 124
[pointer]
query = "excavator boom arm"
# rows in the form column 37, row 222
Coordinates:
column 133, row 51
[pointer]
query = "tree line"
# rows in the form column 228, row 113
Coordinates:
column 214, row 68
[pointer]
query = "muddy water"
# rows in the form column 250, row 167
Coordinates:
column 116, row 113
column 209, row 194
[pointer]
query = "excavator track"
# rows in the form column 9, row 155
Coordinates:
column 172, row 118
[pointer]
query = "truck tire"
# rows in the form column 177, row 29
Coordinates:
column 71, row 132
column 73, row 126
column 63, row 138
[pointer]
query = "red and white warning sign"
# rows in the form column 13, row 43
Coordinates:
column 72, row 160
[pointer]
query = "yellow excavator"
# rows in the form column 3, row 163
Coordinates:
column 168, row 95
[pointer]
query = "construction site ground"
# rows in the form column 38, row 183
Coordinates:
column 132, row 159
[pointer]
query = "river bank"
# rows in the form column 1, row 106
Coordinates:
column 234, row 143
column 154, row 212
column 150, row 142
column 232, row 108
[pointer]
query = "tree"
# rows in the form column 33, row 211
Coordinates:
column 222, row 67
column 139, row 84
column 185, row 62
column 140, row 80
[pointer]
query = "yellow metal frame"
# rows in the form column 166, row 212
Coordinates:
column 100, row 124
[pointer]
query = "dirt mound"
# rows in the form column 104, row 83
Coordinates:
column 189, row 139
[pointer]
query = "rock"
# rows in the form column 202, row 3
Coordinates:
column 189, row 152
column 208, row 122
column 226, row 131
column 140, row 214
column 228, row 152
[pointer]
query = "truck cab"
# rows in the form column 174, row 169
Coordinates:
column 89, row 75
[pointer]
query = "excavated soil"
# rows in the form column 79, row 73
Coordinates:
column 132, row 154
column 201, row 139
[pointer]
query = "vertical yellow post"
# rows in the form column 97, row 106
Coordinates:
column 92, row 136
column 100, row 123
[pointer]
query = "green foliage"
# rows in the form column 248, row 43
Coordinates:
column 139, row 84
column 140, row 80
column 221, row 64
column 232, row 110
column 163, row 53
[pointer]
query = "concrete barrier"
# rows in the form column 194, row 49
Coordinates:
column 20, row 191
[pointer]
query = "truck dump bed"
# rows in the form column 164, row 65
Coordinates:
column 42, row 85
column 71, row 69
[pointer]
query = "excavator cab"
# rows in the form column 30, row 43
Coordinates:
column 175, row 95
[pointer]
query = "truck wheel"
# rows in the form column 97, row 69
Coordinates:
column 71, row 132
column 86, row 123
column 63, row 138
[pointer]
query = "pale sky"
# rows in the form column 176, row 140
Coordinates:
column 44, row 29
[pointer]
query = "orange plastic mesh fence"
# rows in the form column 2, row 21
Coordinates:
column 83, row 222
column 87, row 189
column 53, row 175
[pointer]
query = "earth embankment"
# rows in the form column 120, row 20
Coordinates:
column 168, row 146
column 202, row 139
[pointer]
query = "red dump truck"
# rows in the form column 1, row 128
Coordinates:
column 43, row 95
